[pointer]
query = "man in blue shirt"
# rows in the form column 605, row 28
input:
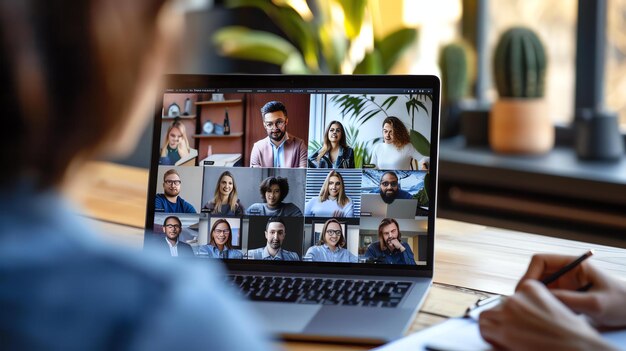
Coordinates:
column 170, row 201
column 275, row 234
column 389, row 188
column 389, row 248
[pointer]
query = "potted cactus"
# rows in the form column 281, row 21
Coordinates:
column 456, row 61
column 519, row 122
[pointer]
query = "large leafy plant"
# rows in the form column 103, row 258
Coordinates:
column 332, row 40
column 359, row 109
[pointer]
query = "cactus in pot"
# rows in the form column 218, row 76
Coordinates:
column 456, row 61
column 519, row 121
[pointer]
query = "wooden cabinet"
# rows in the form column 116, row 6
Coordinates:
column 214, row 111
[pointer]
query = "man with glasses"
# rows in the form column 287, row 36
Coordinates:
column 172, row 227
column 389, row 188
column 275, row 233
column 170, row 201
column 279, row 149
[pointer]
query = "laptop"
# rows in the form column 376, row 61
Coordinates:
column 374, row 206
column 282, row 210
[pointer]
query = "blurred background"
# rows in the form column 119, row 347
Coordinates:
column 568, row 55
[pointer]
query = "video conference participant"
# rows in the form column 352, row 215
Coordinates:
column 175, row 144
column 335, row 152
column 221, row 242
column 389, row 188
column 172, row 227
column 225, row 200
column 332, row 201
column 389, row 248
column 275, row 233
column 273, row 191
column 170, row 201
column 279, row 149
column 331, row 247
column 396, row 150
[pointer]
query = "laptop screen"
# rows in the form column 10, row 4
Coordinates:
column 295, row 171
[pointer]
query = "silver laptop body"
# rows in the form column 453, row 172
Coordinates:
column 202, row 102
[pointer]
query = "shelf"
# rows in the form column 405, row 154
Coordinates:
column 168, row 118
column 225, row 102
column 204, row 136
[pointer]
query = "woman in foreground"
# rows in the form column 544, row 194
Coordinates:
column 78, row 81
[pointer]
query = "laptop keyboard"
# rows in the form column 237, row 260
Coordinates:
column 372, row 293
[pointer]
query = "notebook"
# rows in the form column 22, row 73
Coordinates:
column 277, row 190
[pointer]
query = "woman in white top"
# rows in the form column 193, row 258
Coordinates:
column 396, row 151
column 331, row 247
column 332, row 201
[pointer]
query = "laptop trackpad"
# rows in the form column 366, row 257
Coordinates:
column 285, row 317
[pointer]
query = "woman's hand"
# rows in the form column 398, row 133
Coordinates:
column 534, row 319
column 603, row 303
column 183, row 148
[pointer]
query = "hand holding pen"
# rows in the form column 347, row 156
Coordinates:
column 542, row 312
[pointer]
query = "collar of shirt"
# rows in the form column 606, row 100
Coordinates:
column 279, row 151
column 329, row 250
column 173, row 248
column 267, row 255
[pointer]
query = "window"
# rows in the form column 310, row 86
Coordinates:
column 615, row 69
column 555, row 23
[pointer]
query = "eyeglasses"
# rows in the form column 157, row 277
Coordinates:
column 389, row 183
column 279, row 124
column 172, row 226
column 334, row 130
column 175, row 182
column 333, row 232
column 222, row 231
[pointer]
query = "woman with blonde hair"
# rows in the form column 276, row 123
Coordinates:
column 332, row 201
column 335, row 152
column 396, row 151
column 331, row 247
column 225, row 200
column 220, row 242
column 175, row 143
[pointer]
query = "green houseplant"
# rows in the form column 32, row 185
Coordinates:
column 322, row 43
column 456, row 61
column 519, row 122
column 359, row 109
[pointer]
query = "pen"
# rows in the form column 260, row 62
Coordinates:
column 488, row 303
column 558, row 274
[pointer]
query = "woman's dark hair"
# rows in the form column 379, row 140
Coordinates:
column 326, row 145
column 229, row 242
column 342, row 238
column 400, row 133
column 68, row 71
column 282, row 183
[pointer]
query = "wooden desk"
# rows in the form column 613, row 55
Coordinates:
column 471, row 261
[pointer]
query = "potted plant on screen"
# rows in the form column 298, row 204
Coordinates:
column 519, row 122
